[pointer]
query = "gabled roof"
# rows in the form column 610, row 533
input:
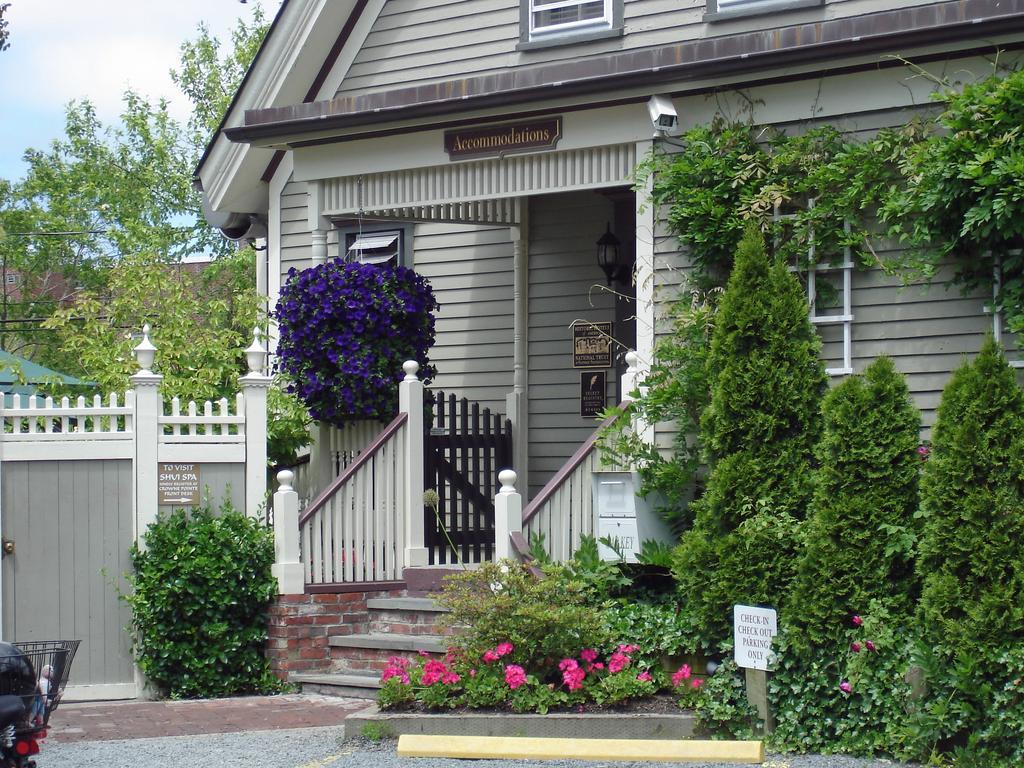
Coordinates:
column 295, row 63
column 33, row 374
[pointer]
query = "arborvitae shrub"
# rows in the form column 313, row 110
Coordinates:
column 860, row 531
column 972, row 501
column 759, row 431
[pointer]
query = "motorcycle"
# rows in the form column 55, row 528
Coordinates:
column 32, row 680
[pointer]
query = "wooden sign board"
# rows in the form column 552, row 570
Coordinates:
column 503, row 139
column 593, row 392
column 592, row 345
column 178, row 484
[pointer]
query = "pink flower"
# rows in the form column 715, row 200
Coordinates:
column 434, row 672
column 472, row 673
column 923, row 451
column 644, row 677
column 515, row 676
column 395, row 672
column 845, row 687
column 490, row 657
column 450, row 678
column 857, row 620
column 628, row 648
column 424, row 654
column 870, row 646
column 589, row 655
column 504, row 649
column 681, row 674
column 855, row 647
column 568, row 664
column 398, row 661
column 573, row 678
column 617, row 662
column 696, row 683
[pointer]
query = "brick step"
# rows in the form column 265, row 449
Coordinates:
column 419, row 604
column 351, row 685
column 369, row 653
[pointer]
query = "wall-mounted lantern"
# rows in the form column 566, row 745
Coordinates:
column 609, row 256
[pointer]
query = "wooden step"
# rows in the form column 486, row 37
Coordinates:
column 418, row 604
column 346, row 684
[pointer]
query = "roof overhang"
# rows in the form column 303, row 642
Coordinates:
column 290, row 67
column 825, row 44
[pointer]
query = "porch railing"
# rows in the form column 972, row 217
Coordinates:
column 353, row 531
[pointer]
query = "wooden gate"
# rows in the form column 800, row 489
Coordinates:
column 465, row 448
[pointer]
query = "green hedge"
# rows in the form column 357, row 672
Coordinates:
column 199, row 603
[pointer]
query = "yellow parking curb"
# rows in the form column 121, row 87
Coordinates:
column 668, row 751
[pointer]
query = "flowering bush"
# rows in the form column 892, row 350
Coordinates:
column 491, row 680
column 346, row 329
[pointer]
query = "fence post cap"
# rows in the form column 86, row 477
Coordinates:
column 145, row 352
column 632, row 358
column 507, row 478
column 284, row 478
column 410, row 367
column 255, row 354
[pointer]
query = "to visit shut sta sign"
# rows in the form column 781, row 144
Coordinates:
column 753, row 630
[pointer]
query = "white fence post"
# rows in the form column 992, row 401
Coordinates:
column 287, row 568
column 146, row 422
column 410, row 401
column 254, row 388
column 508, row 514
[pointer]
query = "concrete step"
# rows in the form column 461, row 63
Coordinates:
column 345, row 684
column 419, row 604
column 390, row 642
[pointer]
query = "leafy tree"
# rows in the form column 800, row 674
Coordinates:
column 759, row 431
column 861, row 528
column 201, row 323
column 5, row 33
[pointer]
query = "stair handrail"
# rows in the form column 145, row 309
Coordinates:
column 324, row 496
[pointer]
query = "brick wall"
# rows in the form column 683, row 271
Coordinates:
column 299, row 626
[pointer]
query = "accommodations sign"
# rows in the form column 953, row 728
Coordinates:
column 505, row 138
column 753, row 630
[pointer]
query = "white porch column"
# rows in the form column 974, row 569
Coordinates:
column 410, row 401
column 508, row 514
column 148, row 408
column 517, row 403
column 287, row 568
column 318, row 243
column 254, row 390
column 646, row 309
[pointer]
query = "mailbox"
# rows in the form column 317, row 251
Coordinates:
column 623, row 517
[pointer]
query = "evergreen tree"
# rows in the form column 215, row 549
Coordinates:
column 860, row 530
column 972, row 500
column 759, row 431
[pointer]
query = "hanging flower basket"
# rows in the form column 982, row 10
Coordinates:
column 345, row 330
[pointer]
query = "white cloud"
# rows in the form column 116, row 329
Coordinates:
column 69, row 49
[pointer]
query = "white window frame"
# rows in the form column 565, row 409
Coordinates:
column 997, row 316
column 367, row 231
column 604, row 22
column 846, row 266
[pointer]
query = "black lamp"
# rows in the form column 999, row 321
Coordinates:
column 608, row 252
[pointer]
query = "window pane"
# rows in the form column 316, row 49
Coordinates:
column 554, row 13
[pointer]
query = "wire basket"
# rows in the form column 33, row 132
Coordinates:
column 38, row 676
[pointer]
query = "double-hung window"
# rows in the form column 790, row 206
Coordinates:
column 555, row 22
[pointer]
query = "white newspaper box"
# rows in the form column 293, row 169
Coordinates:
column 624, row 518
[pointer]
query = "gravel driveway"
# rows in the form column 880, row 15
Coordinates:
column 323, row 747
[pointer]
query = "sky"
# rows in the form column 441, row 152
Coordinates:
column 70, row 49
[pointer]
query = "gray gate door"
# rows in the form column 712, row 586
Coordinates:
column 70, row 523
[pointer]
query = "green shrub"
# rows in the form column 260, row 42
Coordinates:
column 972, row 600
column 972, row 502
column 722, row 708
column 759, row 431
column 849, row 695
column 544, row 619
column 199, row 601
column 861, row 529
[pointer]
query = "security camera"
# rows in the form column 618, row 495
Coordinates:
column 663, row 113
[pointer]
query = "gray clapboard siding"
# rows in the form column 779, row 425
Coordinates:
column 295, row 242
column 73, row 539
column 414, row 41
column 470, row 271
column 563, row 230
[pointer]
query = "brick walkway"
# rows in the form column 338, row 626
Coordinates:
column 103, row 721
